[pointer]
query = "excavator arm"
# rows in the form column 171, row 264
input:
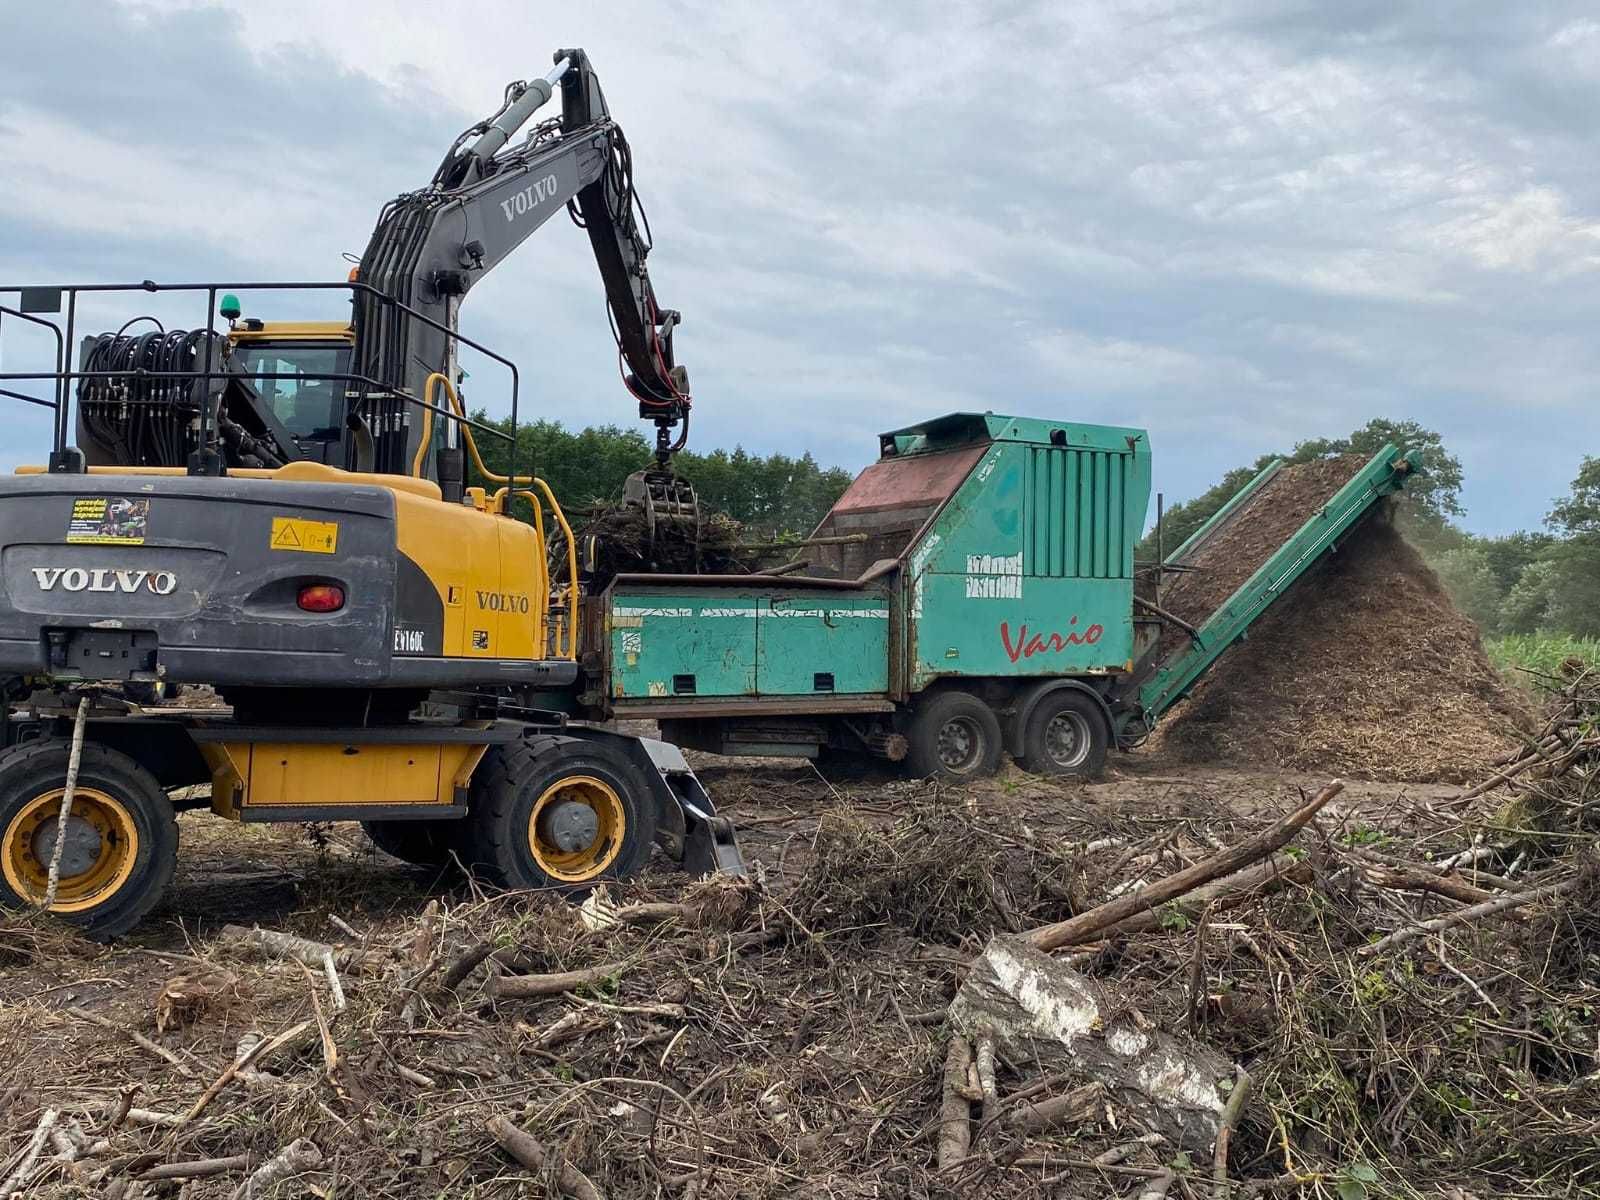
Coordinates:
column 430, row 247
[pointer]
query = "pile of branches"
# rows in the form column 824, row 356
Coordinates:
column 624, row 546
column 1389, row 1002
column 938, row 873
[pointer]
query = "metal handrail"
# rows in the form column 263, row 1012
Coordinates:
column 63, row 377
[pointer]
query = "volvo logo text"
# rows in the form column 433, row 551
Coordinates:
column 104, row 579
column 535, row 194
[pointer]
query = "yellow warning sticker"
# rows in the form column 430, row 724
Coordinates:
column 312, row 537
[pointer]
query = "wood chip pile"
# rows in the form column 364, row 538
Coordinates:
column 1364, row 669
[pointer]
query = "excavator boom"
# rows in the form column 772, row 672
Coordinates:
column 431, row 246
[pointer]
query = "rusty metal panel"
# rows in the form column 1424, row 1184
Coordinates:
column 913, row 481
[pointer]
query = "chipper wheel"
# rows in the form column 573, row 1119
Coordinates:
column 557, row 813
column 1066, row 735
column 954, row 735
column 122, row 837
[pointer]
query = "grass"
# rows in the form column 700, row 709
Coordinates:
column 1540, row 653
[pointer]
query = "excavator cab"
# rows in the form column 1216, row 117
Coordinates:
column 296, row 369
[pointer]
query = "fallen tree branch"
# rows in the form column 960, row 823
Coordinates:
column 528, row 987
column 1264, row 877
column 74, row 761
column 199, row 1168
column 1080, row 1104
column 1401, row 880
column 296, row 1158
column 41, row 1133
column 465, row 963
column 1085, row 926
column 1488, row 908
column 256, row 1052
column 1231, row 1112
column 530, row 1152
column 955, row 1111
column 1127, row 1149
column 286, row 945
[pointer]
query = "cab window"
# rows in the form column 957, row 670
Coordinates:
column 296, row 383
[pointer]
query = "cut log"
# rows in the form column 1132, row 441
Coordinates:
column 955, row 1112
column 1043, row 1012
column 1086, row 926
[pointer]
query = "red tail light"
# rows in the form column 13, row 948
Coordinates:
column 321, row 598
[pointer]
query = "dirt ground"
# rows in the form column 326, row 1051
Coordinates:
column 816, row 1058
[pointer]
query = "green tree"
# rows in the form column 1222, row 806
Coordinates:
column 1526, row 607
column 773, row 495
column 1470, row 580
column 1578, row 515
column 1431, row 500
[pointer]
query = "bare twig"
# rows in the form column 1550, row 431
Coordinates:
column 134, row 1036
column 530, row 1152
column 1488, row 908
column 41, row 1133
column 1085, row 926
column 74, row 762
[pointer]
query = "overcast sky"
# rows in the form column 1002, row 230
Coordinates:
column 1238, row 224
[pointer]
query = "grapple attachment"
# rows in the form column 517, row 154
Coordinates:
column 671, row 514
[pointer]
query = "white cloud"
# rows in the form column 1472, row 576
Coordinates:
column 1238, row 224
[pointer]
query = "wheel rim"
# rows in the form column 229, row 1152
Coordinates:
column 582, row 809
column 1066, row 739
column 960, row 744
column 101, row 848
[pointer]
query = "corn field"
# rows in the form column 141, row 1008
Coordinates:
column 1526, row 656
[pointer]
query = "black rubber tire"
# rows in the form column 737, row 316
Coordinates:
column 29, row 770
column 432, row 844
column 1083, row 756
column 941, row 716
column 510, row 781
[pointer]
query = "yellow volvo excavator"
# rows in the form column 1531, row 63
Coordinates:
column 282, row 512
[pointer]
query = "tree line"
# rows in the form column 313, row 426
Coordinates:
column 773, row 495
column 1534, row 581
column 1545, row 580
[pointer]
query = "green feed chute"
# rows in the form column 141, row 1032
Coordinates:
column 1384, row 475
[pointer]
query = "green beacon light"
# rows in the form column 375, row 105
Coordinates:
column 230, row 307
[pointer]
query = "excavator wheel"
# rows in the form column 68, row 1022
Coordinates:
column 1065, row 736
column 431, row 844
column 953, row 735
column 557, row 813
column 122, row 836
